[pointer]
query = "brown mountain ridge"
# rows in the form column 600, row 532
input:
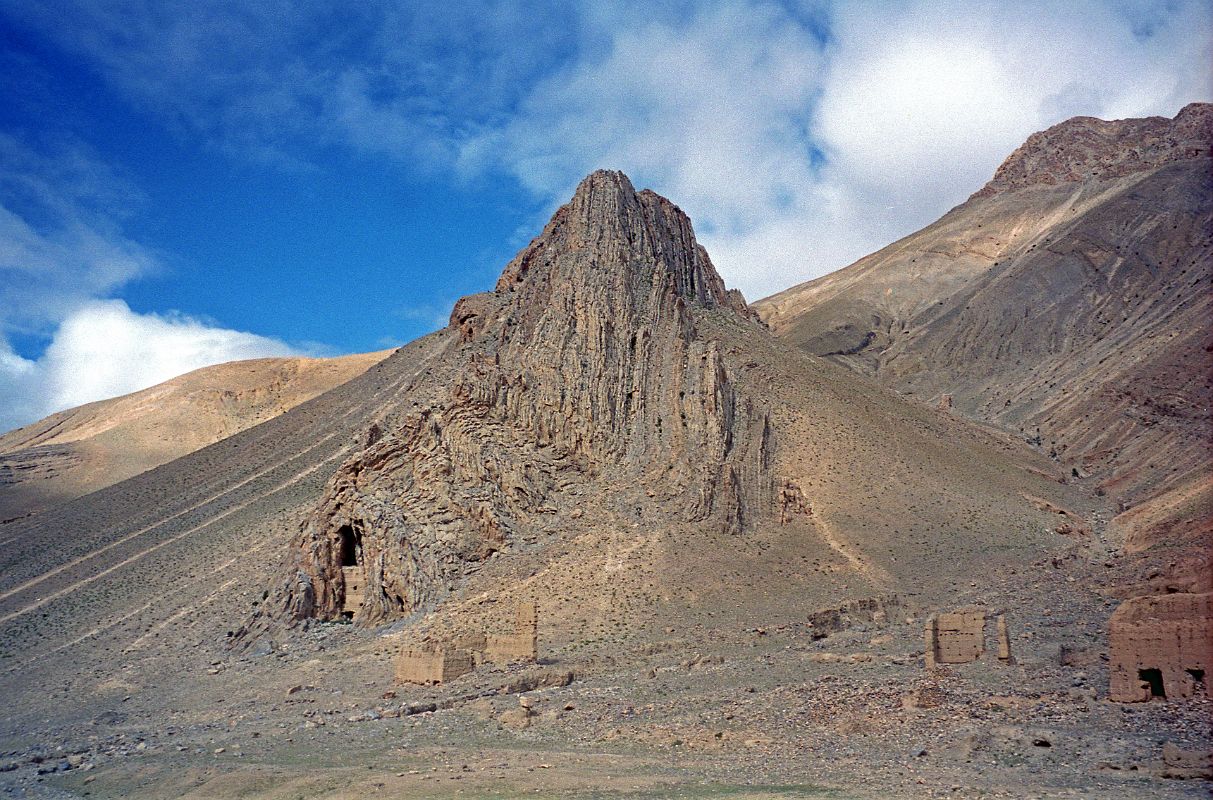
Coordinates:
column 1067, row 301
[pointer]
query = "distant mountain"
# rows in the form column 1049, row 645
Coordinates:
column 84, row 449
column 1067, row 301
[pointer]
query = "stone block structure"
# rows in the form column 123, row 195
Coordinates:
column 432, row 664
column 355, row 590
column 474, row 643
column 1004, row 640
column 956, row 637
column 1161, row 647
column 959, row 637
column 522, row 644
column 866, row 609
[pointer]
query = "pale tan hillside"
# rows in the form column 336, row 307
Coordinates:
column 74, row 452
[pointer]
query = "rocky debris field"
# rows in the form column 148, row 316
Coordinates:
column 709, row 706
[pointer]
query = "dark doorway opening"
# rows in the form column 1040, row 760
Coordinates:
column 1153, row 677
column 349, row 546
column 1198, row 681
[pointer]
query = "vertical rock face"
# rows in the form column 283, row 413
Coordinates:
column 583, row 364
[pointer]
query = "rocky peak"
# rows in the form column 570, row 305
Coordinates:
column 1086, row 148
column 610, row 238
column 585, row 365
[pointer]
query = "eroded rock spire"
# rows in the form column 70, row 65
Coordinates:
column 584, row 365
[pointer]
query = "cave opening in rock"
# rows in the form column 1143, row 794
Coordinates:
column 349, row 546
column 1198, row 681
column 1153, row 677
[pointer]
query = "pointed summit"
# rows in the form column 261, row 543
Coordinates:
column 585, row 365
column 625, row 242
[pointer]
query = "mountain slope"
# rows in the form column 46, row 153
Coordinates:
column 1066, row 301
column 731, row 543
column 570, row 459
column 610, row 370
column 81, row 450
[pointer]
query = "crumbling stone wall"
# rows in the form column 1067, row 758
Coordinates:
column 355, row 587
column 956, row 637
column 437, row 662
column 1161, row 647
column 430, row 665
column 475, row 643
column 1004, row 639
column 866, row 609
column 522, row 644
column 959, row 637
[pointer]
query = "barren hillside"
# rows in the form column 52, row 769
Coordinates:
column 1066, row 302
column 84, row 449
column 732, row 545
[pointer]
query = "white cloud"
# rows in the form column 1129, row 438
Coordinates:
column 923, row 101
column 60, row 239
column 103, row 349
column 798, row 135
column 62, row 252
column 913, row 106
column 711, row 111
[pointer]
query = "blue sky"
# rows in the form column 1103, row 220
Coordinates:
column 183, row 183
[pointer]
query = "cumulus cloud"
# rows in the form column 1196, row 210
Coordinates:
column 795, row 158
column 798, row 135
column 60, row 238
column 62, row 251
column 921, row 102
column 103, row 349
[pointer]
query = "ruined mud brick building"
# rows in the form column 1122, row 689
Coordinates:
column 432, row 664
column 959, row 637
column 866, row 609
column 1161, row 647
column 355, row 588
column 522, row 644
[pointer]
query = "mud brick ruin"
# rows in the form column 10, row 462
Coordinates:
column 355, row 589
column 437, row 662
column 959, row 637
column 522, row 644
column 1161, row 647
column 432, row 664
column 867, row 609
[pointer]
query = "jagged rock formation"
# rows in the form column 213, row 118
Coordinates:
column 1067, row 302
column 1086, row 148
column 583, row 364
column 83, row 449
column 544, row 426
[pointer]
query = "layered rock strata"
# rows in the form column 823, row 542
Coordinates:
column 584, row 364
column 1066, row 302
